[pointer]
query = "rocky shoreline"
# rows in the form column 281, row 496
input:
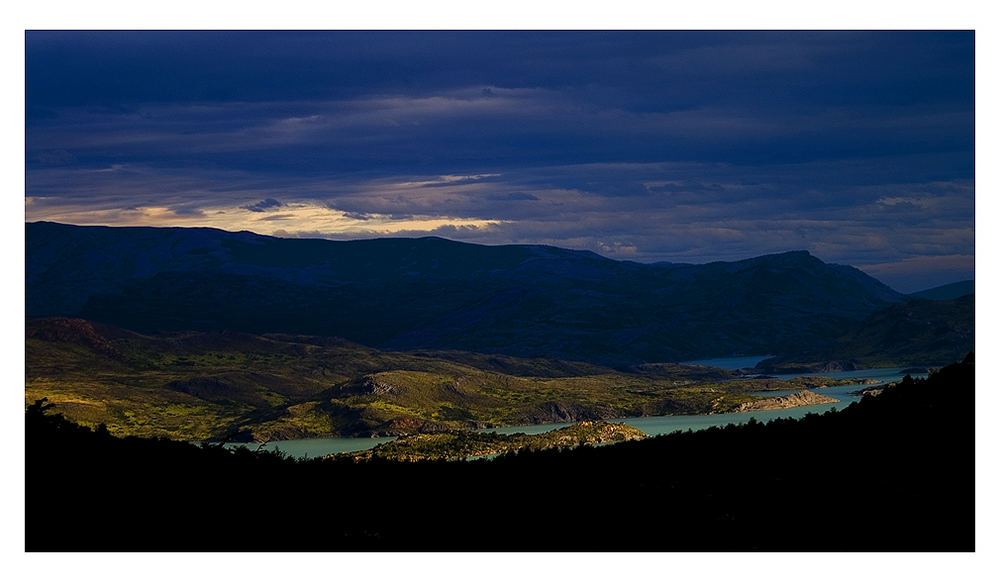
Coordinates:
column 800, row 398
column 462, row 444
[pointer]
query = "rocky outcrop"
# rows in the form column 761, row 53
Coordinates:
column 407, row 425
column 590, row 432
column 372, row 385
column 369, row 384
column 800, row 398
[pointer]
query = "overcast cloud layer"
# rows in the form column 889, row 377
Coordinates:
column 648, row 146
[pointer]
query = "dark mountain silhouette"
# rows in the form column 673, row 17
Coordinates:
column 915, row 333
column 431, row 293
column 947, row 292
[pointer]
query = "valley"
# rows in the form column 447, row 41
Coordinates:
column 203, row 334
column 245, row 387
column 330, row 288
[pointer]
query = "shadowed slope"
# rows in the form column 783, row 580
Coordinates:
column 520, row 300
column 915, row 333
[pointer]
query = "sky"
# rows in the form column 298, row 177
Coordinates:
column 679, row 146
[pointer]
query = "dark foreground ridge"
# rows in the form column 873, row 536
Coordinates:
column 891, row 473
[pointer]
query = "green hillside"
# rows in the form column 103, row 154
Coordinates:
column 198, row 385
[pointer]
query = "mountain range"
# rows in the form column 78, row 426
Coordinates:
column 203, row 333
column 437, row 294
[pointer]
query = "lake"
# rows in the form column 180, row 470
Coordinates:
column 657, row 425
column 311, row 448
column 651, row 425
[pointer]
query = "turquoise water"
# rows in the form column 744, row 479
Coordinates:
column 311, row 448
column 651, row 425
column 657, row 425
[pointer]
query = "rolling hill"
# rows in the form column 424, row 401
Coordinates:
column 215, row 385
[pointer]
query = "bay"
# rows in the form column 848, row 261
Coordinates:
column 311, row 448
column 651, row 425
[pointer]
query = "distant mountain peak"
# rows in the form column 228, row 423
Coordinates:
column 797, row 255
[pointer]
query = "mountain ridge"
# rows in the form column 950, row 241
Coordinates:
column 433, row 293
column 947, row 292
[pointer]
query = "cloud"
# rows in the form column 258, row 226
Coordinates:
column 56, row 157
column 512, row 196
column 295, row 217
column 682, row 146
column 923, row 272
column 617, row 249
column 688, row 212
column 264, row 205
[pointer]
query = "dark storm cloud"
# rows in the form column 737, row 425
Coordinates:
column 692, row 146
column 275, row 217
column 264, row 205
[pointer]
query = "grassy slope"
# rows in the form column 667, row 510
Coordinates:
column 211, row 385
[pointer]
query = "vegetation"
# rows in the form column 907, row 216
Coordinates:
column 456, row 444
column 890, row 473
column 473, row 337
column 198, row 385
